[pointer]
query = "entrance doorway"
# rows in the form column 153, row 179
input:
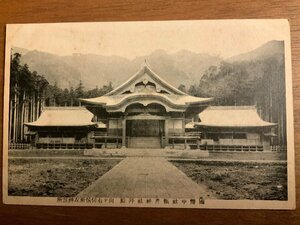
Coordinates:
column 144, row 133
column 144, row 128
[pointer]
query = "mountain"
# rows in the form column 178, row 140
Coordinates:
column 238, row 79
column 189, row 63
column 52, row 67
column 97, row 70
column 183, row 67
column 269, row 49
column 21, row 51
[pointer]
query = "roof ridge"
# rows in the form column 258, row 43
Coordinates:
column 163, row 80
column 145, row 67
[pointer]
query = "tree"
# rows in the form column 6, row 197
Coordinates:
column 259, row 82
column 26, row 96
column 182, row 88
column 79, row 93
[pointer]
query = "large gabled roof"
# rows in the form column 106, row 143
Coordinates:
column 163, row 92
column 64, row 116
column 145, row 69
column 231, row 116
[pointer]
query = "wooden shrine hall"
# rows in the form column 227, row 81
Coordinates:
column 148, row 112
column 145, row 112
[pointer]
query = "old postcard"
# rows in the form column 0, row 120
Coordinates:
column 177, row 114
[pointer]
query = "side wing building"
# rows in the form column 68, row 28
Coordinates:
column 237, row 128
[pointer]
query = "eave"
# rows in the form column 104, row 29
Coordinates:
column 177, row 103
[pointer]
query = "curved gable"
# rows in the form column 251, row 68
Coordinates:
column 145, row 76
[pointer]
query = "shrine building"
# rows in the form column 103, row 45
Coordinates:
column 145, row 111
column 234, row 128
column 148, row 112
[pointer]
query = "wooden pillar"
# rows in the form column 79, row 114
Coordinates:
column 123, row 133
column 93, row 140
column 36, row 139
column 166, row 133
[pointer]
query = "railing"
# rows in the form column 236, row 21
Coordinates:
column 243, row 148
column 278, row 148
column 102, row 139
column 237, row 142
column 238, row 148
column 19, row 146
column 64, row 145
column 100, row 133
column 185, row 140
column 52, row 140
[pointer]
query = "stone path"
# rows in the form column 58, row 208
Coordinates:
column 149, row 177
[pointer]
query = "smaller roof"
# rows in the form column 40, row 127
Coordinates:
column 64, row 116
column 30, row 133
column 100, row 125
column 270, row 134
column 190, row 125
column 231, row 116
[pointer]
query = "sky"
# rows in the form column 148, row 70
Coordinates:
column 223, row 38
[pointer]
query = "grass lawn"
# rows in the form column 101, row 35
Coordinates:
column 239, row 180
column 54, row 177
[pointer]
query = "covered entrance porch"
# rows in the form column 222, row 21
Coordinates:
column 145, row 112
column 145, row 131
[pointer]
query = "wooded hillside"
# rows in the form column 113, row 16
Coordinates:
column 30, row 92
column 258, row 81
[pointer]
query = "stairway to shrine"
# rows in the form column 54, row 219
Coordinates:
column 144, row 142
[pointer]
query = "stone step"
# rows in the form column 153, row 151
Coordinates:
column 144, row 142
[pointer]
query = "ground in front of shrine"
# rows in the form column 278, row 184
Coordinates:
column 146, row 177
column 71, row 174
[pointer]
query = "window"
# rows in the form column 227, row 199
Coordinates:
column 42, row 134
column 213, row 136
column 69, row 134
column 226, row 135
column 239, row 136
column 56, row 135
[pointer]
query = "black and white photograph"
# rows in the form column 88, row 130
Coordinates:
column 173, row 114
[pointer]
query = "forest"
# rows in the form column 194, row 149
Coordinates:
column 260, row 83
column 30, row 92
